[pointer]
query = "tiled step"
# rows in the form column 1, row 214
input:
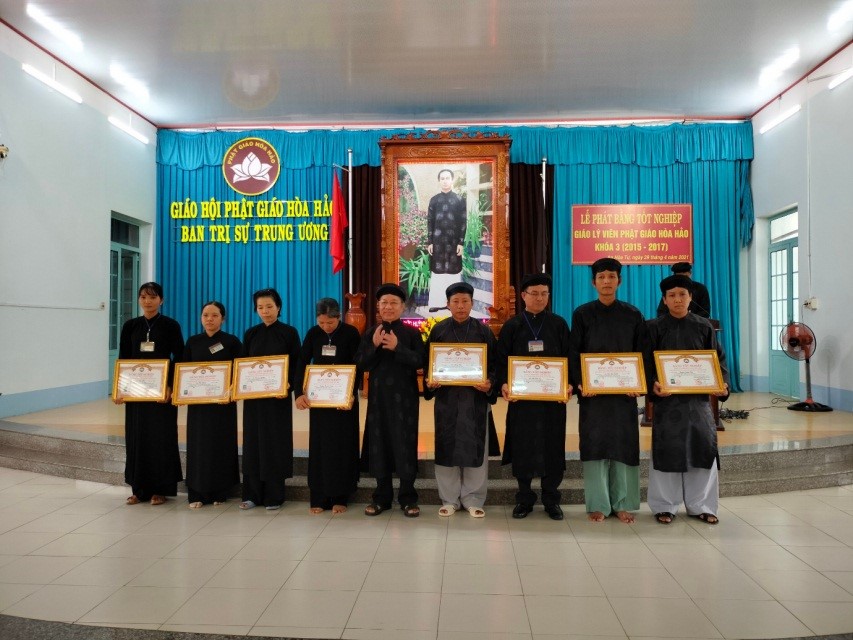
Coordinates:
column 746, row 473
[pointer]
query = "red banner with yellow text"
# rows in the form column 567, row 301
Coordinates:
column 632, row 233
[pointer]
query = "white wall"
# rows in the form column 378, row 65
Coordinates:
column 67, row 169
column 807, row 161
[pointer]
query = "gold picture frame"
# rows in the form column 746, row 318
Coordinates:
column 329, row 386
column 613, row 373
column 538, row 378
column 140, row 380
column 453, row 363
column 689, row 371
column 202, row 382
column 260, row 377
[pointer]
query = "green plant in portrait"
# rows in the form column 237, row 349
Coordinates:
column 414, row 273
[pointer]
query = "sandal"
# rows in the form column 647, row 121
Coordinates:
column 374, row 509
column 273, row 507
column 665, row 517
column 477, row 512
column 339, row 508
column 158, row 500
column 707, row 518
column 447, row 510
column 196, row 505
column 247, row 504
column 411, row 510
column 132, row 500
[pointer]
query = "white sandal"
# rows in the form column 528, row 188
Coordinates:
column 477, row 512
column 447, row 510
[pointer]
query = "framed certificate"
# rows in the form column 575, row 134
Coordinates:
column 140, row 380
column 538, row 379
column 202, row 382
column 689, row 371
column 457, row 363
column 614, row 373
column 329, row 386
column 260, row 377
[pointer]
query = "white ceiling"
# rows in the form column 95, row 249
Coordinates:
column 335, row 63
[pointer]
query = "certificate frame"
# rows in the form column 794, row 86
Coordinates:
column 218, row 369
column 709, row 362
column 477, row 349
column 517, row 366
column 343, row 374
column 599, row 362
column 129, row 385
column 243, row 365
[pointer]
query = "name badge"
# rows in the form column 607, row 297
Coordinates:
column 146, row 346
column 216, row 347
column 535, row 345
column 329, row 350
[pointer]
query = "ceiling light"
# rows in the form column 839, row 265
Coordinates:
column 128, row 81
column 53, row 84
column 780, row 118
column 68, row 37
column 842, row 77
column 779, row 66
column 128, row 129
column 841, row 17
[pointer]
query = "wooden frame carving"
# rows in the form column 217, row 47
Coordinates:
column 410, row 178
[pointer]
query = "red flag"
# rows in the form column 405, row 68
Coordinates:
column 337, row 245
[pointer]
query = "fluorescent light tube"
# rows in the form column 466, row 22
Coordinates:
column 53, row 84
column 843, row 77
column 780, row 118
column 127, row 129
column 68, row 37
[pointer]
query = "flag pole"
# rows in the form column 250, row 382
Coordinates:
column 544, row 192
column 349, row 217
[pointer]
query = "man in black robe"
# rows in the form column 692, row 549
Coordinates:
column 700, row 304
column 462, row 412
column 392, row 352
column 535, row 441
column 608, row 425
column 684, row 460
column 447, row 223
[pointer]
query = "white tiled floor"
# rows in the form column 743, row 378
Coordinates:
column 777, row 565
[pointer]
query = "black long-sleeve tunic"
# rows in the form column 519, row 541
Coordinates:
column 151, row 428
column 268, row 422
column 447, row 223
column 683, row 430
column 535, row 441
column 333, row 437
column 461, row 412
column 391, row 427
column 608, row 424
column 212, row 466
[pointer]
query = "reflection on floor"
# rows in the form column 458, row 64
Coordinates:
column 776, row 566
column 768, row 423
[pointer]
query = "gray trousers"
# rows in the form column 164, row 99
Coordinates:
column 698, row 489
column 464, row 486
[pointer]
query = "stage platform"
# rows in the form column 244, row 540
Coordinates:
column 771, row 450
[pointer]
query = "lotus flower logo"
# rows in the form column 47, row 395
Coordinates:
column 251, row 166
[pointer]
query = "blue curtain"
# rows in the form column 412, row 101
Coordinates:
column 706, row 165
column 193, row 273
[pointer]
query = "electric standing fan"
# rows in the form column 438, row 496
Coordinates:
column 798, row 342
